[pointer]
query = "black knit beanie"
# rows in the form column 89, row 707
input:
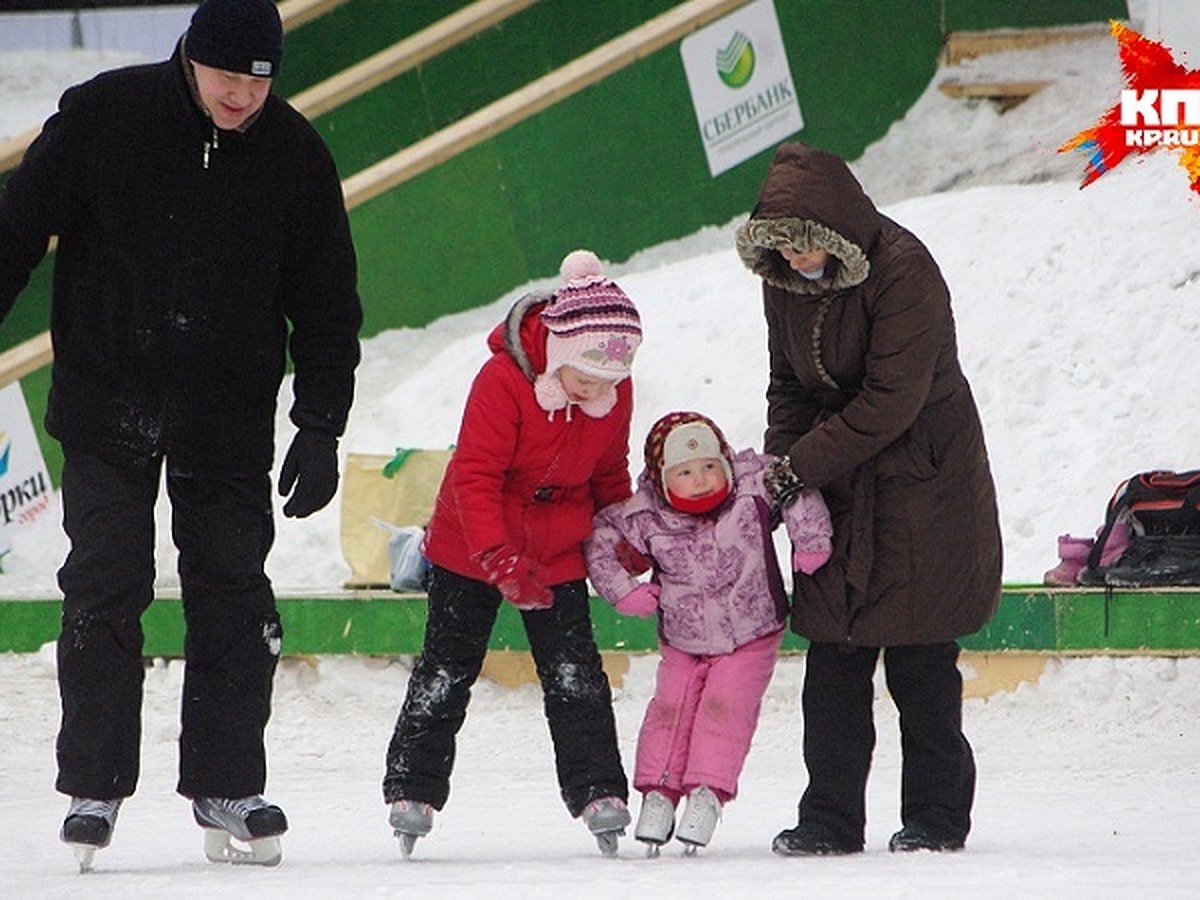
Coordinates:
column 244, row 36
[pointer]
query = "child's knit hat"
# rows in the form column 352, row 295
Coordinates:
column 244, row 36
column 593, row 326
column 681, row 437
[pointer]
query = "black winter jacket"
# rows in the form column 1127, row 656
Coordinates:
column 184, row 253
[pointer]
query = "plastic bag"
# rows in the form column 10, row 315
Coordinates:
column 409, row 567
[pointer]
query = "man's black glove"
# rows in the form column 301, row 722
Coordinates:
column 781, row 482
column 311, row 466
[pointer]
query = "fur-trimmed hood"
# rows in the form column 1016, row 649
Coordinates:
column 522, row 334
column 810, row 200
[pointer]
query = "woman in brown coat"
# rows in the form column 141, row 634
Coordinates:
column 867, row 402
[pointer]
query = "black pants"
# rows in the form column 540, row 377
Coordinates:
column 222, row 526
column 576, row 694
column 938, row 768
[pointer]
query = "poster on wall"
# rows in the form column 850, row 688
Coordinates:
column 25, row 490
column 741, row 85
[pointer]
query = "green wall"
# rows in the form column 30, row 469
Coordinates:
column 980, row 15
column 1036, row 619
column 617, row 167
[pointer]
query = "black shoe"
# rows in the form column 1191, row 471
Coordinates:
column 920, row 837
column 805, row 840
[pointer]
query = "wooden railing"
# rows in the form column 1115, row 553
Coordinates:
column 533, row 98
column 404, row 55
column 29, row 356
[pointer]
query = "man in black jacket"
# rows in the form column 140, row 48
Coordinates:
column 198, row 217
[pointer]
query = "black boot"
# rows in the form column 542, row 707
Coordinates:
column 807, row 840
column 921, row 837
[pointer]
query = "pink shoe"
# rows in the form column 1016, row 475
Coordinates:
column 1073, row 556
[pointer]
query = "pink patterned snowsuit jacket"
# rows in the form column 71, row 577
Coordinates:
column 720, row 580
column 721, row 611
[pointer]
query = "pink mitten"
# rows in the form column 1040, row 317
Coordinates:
column 642, row 601
column 808, row 561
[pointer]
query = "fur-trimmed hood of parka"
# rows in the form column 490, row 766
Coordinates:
column 810, row 200
column 522, row 334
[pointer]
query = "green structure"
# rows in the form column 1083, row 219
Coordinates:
column 1030, row 620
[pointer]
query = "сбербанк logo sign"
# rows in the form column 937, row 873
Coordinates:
column 741, row 86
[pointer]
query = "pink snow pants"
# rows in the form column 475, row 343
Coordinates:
column 699, row 724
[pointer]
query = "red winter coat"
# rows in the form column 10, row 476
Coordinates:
column 523, row 476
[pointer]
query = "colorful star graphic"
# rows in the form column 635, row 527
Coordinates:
column 1147, row 66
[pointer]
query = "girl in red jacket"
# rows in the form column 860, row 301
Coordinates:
column 544, row 444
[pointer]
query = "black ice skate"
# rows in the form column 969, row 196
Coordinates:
column 88, row 827
column 606, row 819
column 252, row 821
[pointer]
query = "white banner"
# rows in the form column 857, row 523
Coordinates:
column 741, row 85
column 25, row 490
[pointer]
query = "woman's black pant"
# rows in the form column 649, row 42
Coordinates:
column 576, row 695
column 222, row 525
column 938, row 767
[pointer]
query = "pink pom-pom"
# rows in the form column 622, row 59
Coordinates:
column 580, row 264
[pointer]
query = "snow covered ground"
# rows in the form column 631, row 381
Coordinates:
column 1078, row 312
column 1087, row 788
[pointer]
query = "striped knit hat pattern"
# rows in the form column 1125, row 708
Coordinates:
column 592, row 324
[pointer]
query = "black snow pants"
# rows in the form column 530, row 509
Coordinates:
column 577, row 698
column 222, row 525
column 937, row 786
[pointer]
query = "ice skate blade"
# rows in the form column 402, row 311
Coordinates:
column 220, row 848
column 407, row 843
column 84, row 855
column 653, row 849
column 690, row 849
column 607, row 841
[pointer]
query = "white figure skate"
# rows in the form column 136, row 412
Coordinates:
column 699, row 819
column 656, row 822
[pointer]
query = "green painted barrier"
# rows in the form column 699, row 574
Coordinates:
column 380, row 623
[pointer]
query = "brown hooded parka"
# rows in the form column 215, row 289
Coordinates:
column 867, row 398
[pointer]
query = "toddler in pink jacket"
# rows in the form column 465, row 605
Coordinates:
column 703, row 517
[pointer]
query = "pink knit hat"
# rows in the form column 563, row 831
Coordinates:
column 593, row 326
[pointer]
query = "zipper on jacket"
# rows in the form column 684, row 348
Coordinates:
column 214, row 144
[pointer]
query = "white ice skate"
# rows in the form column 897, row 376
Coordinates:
column 252, row 821
column 410, row 819
column 656, row 822
column 699, row 819
column 88, row 827
column 606, row 819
